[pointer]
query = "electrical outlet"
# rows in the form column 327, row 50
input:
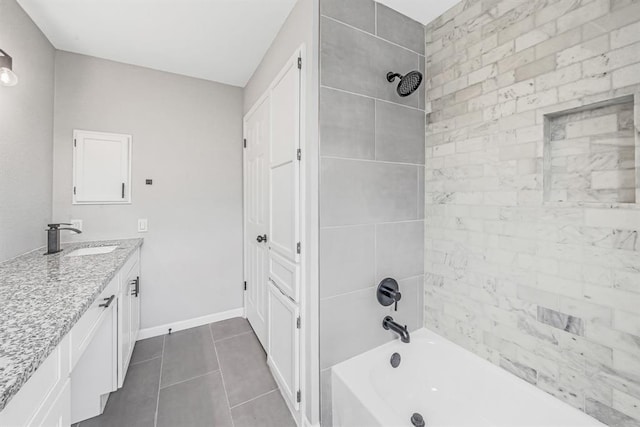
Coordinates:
column 143, row 225
column 76, row 223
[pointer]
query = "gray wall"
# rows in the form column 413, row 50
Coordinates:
column 187, row 138
column 371, row 174
column 26, row 130
column 550, row 291
column 301, row 27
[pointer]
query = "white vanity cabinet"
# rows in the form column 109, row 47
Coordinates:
column 128, row 313
column 90, row 362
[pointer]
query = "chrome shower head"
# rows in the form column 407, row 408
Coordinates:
column 408, row 83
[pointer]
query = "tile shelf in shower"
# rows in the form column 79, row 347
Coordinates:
column 592, row 155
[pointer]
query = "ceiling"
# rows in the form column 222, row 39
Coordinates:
column 423, row 11
column 218, row 40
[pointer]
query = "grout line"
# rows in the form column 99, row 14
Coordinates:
column 224, row 384
column 254, row 398
column 189, row 379
column 155, row 418
column 333, row 227
column 374, row 35
column 386, row 162
column 232, row 336
column 145, row 360
column 368, row 288
column 374, row 98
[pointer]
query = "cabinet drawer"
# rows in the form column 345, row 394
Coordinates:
column 83, row 331
column 38, row 395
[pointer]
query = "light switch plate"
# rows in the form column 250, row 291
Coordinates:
column 76, row 223
column 142, row 225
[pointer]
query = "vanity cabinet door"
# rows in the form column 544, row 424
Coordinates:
column 128, row 314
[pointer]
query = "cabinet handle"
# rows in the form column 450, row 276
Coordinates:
column 108, row 301
column 136, row 289
column 123, row 190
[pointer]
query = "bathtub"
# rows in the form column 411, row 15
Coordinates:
column 446, row 384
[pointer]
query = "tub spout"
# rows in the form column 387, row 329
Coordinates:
column 388, row 323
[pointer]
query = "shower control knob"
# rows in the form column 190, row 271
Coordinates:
column 262, row 238
column 417, row 420
column 388, row 293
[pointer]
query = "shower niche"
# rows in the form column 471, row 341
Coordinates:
column 591, row 154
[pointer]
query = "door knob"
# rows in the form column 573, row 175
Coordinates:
column 262, row 238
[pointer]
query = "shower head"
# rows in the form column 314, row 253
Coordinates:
column 408, row 83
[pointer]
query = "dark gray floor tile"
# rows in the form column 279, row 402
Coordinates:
column 197, row 402
column 188, row 354
column 266, row 411
column 244, row 367
column 147, row 349
column 230, row 327
column 134, row 405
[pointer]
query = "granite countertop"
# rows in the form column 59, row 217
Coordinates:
column 42, row 298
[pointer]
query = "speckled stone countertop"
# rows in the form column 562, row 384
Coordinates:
column 42, row 298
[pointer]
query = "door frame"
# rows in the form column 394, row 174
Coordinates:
column 309, row 333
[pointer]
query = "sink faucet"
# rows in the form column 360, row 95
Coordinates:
column 53, row 237
column 388, row 323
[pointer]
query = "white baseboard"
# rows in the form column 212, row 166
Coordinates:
column 307, row 423
column 190, row 323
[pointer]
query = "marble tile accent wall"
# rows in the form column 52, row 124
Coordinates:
column 371, row 178
column 591, row 154
column 549, row 291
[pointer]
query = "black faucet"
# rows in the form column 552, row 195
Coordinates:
column 53, row 237
column 388, row 323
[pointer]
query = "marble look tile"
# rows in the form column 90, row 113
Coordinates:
column 525, row 372
column 560, row 320
column 608, row 415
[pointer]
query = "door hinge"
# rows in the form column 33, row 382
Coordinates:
column 74, row 189
column 299, row 154
column 299, row 63
column 245, row 143
column 298, row 396
column 298, row 322
column 298, row 248
column 245, row 286
column 74, row 142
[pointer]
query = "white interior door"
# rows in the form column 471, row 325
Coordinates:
column 284, row 165
column 256, row 206
column 285, row 245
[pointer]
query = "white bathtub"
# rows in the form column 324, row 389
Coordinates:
column 446, row 384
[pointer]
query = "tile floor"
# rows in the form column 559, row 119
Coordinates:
column 213, row 375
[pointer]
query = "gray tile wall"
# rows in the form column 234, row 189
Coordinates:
column 371, row 178
column 549, row 291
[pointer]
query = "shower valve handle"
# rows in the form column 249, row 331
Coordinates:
column 389, row 293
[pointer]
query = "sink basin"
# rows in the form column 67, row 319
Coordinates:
column 92, row 251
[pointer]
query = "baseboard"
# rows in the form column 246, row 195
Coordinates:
column 307, row 423
column 190, row 323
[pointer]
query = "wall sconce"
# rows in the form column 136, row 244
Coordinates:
column 7, row 76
